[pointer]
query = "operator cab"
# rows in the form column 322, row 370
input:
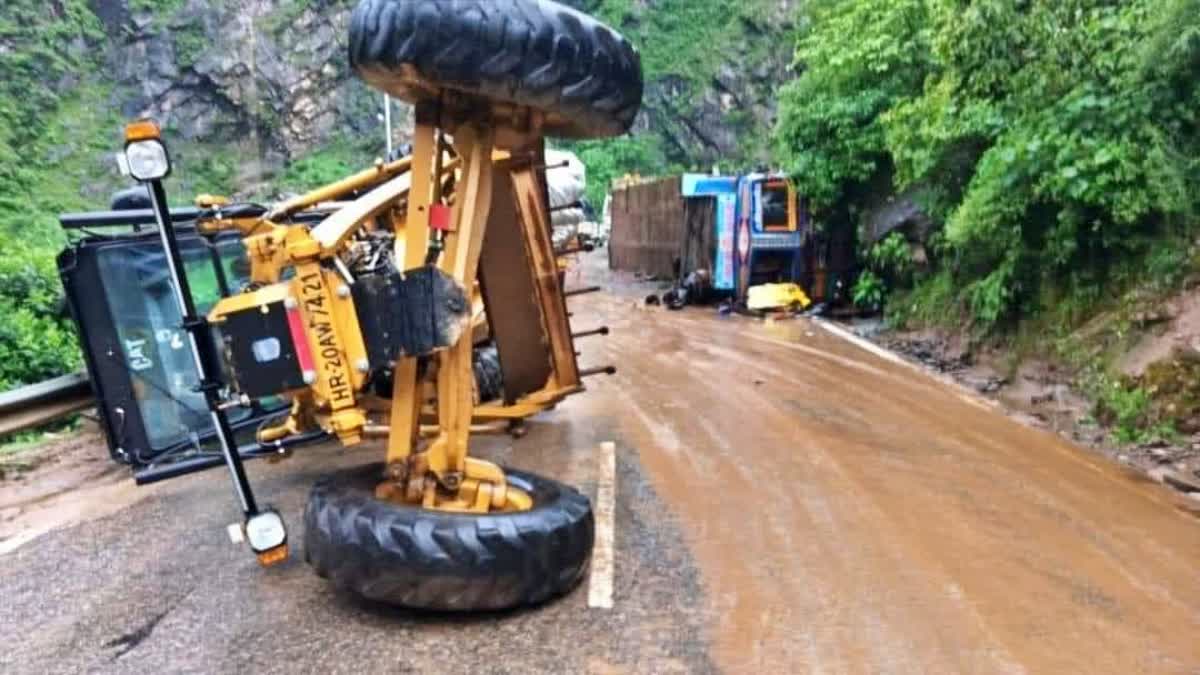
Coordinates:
column 117, row 286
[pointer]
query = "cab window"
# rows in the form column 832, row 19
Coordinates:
column 776, row 216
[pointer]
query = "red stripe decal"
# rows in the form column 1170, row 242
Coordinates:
column 300, row 340
column 439, row 217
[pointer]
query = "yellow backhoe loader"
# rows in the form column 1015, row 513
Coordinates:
column 420, row 300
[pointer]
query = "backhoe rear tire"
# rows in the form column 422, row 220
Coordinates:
column 489, row 379
column 583, row 75
column 435, row 560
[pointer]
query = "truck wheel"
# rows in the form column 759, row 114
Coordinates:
column 582, row 74
column 416, row 558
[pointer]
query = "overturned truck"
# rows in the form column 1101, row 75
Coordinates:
column 740, row 231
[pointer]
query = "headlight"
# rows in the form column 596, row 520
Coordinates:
column 147, row 160
column 265, row 531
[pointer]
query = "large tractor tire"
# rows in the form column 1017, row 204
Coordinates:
column 435, row 560
column 584, row 76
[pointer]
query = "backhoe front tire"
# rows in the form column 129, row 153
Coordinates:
column 436, row 560
column 584, row 76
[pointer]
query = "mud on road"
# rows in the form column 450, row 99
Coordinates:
column 785, row 502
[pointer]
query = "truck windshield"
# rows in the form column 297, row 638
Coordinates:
column 775, row 207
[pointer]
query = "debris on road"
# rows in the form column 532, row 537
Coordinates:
column 777, row 296
column 1181, row 481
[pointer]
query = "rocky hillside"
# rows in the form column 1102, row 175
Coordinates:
column 259, row 83
column 714, row 69
column 246, row 89
column 256, row 98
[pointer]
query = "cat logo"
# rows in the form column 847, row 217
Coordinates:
column 135, row 352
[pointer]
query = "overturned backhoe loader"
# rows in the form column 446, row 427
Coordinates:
column 419, row 300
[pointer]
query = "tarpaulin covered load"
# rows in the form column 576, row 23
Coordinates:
column 567, row 185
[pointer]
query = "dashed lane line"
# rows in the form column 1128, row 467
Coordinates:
column 600, row 584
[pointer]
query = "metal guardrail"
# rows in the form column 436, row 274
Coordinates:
column 38, row 404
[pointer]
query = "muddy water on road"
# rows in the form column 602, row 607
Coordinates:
column 849, row 514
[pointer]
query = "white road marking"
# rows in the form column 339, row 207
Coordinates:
column 863, row 343
column 964, row 393
column 18, row 540
column 600, row 585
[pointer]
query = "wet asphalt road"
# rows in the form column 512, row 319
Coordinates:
column 786, row 502
column 159, row 588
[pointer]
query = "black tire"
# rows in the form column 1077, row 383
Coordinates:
column 489, row 380
column 582, row 74
column 485, row 361
column 131, row 199
column 419, row 559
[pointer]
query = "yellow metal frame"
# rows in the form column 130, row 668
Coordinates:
column 401, row 195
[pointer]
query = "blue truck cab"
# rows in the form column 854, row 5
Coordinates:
column 762, row 226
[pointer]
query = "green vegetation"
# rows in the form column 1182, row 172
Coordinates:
column 156, row 6
column 1056, row 141
column 49, row 142
column 286, row 13
column 190, row 43
column 36, row 341
column 869, row 291
column 336, row 160
column 685, row 39
column 609, row 160
column 889, row 265
column 1128, row 408
column 860, row 59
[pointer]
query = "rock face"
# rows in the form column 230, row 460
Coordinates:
column 715, row 101
column 730, row 117
column 271, row 74
column 272, row 77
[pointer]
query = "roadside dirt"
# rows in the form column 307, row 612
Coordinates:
column 1043, row 395
column 1172, row 327
column 60, row 482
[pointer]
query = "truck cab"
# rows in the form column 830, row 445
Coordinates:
column 761, row 229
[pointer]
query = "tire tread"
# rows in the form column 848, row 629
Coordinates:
column 528, row 52
column 433, row 560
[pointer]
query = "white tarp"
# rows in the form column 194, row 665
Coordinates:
column 566, row 186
